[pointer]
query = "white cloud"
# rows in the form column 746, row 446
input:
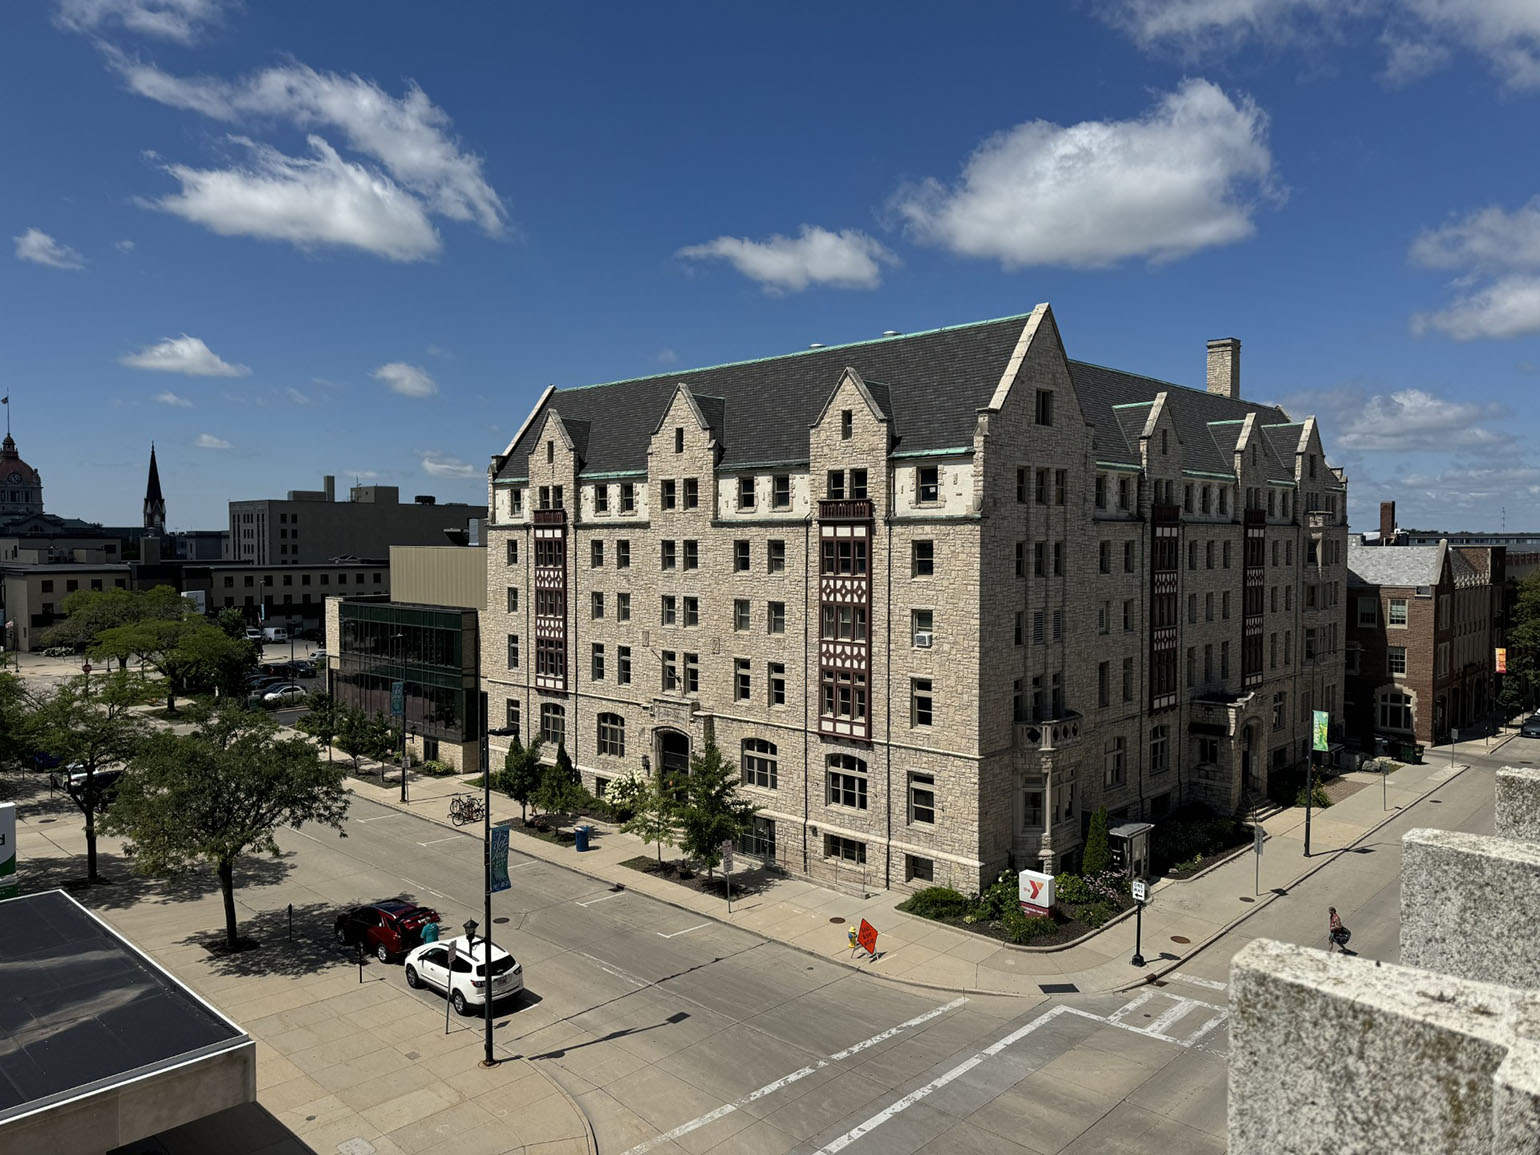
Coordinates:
column 1182, row 177
column 1497, row 257
column 324, row 200
column 667, row 357
column 209, row 441
column 123, row 246
column 407, row 380
column 440, row 351
column 183, row 354
column 296, row 396
column 1418, row 36
column 847, row 259
column 177, row 20
column 441, row 465
column 411, row 137
column 37, row 246
column 170, row 398
column 1354, row 420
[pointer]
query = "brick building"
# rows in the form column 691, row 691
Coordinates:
column 940, row 596
column 1423, row 624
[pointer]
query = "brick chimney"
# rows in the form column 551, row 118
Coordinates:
column 1387, row 522
column 1224, row 367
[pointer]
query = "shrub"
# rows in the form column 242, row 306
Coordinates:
column 937, row 902
column 1003, row 895
column 1318, row 799
column 1097, row 856
column 1023, row 928
column 1071, row 888
column 1096, row 914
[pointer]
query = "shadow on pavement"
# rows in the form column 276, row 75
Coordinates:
column 243, row 1130
column 122, row 887
column 311, row 950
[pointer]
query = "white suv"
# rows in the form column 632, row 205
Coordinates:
column 465, row 984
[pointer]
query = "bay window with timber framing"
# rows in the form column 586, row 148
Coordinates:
column 845, row 597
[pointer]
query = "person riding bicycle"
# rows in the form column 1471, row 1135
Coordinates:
column 1338, row 933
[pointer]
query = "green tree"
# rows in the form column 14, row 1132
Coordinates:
column 1523, row 676
column 653, row 818
column 219, row 793
column 561, row 786
column 184, row 653
column 521, row 774
column 714, row 811
column 18, row 712
column 232, row 622
column 320, row 721
column 91, row 726
column 362, row 734
column 1097, row 856
column 92, row 613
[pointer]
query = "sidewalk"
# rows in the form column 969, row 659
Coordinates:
column 919, row 951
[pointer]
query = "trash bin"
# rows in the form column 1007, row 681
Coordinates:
column 581, row 833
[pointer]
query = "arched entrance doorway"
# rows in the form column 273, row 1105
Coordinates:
column 673, row 757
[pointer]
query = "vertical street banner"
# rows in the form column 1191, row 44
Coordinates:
column 1318, row 730
column 398, row 698
column 1502, row 659
column 500, row 858
column 7, row 850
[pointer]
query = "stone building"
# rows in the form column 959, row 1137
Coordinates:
column 1423, row 625
column 940, row 596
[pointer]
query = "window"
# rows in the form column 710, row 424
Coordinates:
column 928, row 484
column 1395, row 711
column 612, row 735
column 858, row 484
column 551, row 657
column 513, row 598
column 1207, row 749
column 1021, row 485
column 1395, row 659
column 516, row 502
column 844, row 849
column 1104, row 557
column 777, row 683
column 1058, row 559
column 670, row 672
column 921, row 702
column 922, row 623
column 557, row 501
column 740, row 613
column 1280, row 709
column 553, row 723
column 1060, row 485
column 775, row 618
column 1112, row 762
column 596, row 600
column 622, row 554
column 1208, row 607
column 1128, row 557
column 669, row 495
column 1160, row 746
column 668, row 613
column 780, row 491
column 691, row 493
column 511, row 717
column 1224, row 605
column 922, row 799
column 834, row 489
column 1039, row 558
column 692, row 673
column 759, row 764
column 775, row 556
column 1103, row 683
column 740, row 556
column 1040, row 487
column 844, row 694
column 742, row 685
column 846, row 782
column 1019, row 633
column 1104, row 618
column 845, row 623
column 627, row 497
column 922, row 558
column 1128, row 679
column 668, row 554
column 1045, row 407
column 1397, row 615
column 691, row 612
column 1192, row 608
column 745, row 493
column 596, row 663
column 678, row 440
column 1124, row 491
column 839, row 556
column 622, row 607
column 622, row 665
column 601, row 499
column 1192, row 555
column 1101, row 491
column 692, row 554
column 513, row 651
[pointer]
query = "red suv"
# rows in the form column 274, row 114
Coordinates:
column 388, row 929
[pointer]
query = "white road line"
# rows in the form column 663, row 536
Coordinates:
column 686, row 930
column 619, row 974
column 378, row 818
column 517, row 865
column 436, row 841
column 1164, row 1020
column 429, row 889
column 1200, row 982
column 787, row 1080
column 936, row 1084
column 1124, row 1011
column 1193, row 1038
column 602, row 898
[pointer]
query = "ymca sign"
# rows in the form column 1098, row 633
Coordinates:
column 1035, row 892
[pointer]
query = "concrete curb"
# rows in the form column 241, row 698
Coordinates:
column 1326, row 859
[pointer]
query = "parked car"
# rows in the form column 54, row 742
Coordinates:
column 387, row 929
column 253, row 634
column 104, row 782
column 464, row 980
column 319, row 656
column 1530, row 727
column 285, row 693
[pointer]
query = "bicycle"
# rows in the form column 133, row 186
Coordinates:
column 465, row 808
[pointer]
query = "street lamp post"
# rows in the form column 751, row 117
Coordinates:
column 86, row 670
column 487, row 1059
column 400, row 639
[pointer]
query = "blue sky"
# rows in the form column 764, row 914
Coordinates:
column 283, row 240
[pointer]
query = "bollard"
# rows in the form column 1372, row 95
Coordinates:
column 291, row 922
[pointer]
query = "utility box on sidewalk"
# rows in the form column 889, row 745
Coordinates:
column 1130, row 846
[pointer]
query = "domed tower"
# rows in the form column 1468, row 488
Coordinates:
column 21, row 486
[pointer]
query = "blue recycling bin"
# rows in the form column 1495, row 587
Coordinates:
column 582, row 833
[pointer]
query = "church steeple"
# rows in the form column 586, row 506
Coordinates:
column 154, row 502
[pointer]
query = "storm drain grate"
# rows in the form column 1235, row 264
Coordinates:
column 1058, row 988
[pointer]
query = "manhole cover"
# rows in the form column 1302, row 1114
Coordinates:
column 501, row 918
column 1181, row 938
column 836, row 919
column 1247, row 898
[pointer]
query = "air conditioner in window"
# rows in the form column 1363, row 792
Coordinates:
column 922, row 639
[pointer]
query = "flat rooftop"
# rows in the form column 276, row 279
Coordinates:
column 84, row 1014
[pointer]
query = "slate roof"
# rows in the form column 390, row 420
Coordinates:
column 931, row 385
column 1393, row 565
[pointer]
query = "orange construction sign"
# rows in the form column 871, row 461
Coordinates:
column 867, row 937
